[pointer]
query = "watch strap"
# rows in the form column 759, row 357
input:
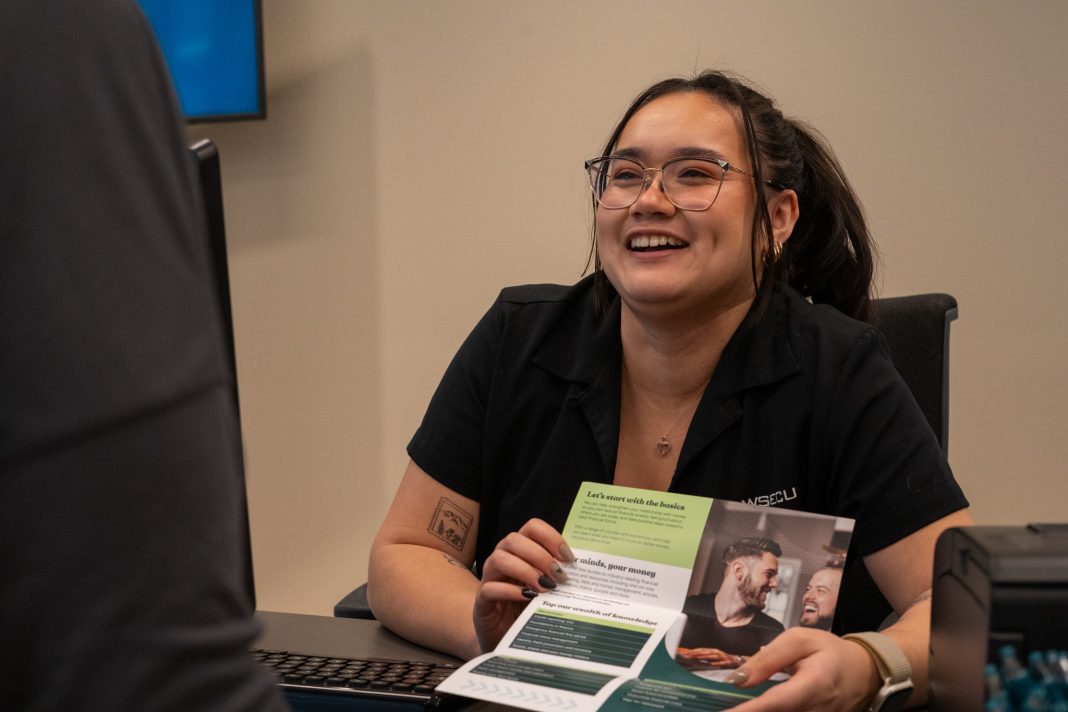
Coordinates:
column 893, row 667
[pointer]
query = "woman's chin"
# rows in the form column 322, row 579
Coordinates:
column 653, row 302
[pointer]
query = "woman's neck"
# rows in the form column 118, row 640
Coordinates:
column 666, row 366
column 672, row 360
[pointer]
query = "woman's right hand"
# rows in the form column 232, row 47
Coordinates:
column 524, row 564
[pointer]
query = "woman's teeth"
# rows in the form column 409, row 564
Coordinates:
column 646, row 241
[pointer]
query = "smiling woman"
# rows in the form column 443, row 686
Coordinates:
column 699, row 207
column 831, row 257
column 717, row 349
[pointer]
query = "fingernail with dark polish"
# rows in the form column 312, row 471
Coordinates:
column 559, row 573
column 737, row 677
column 529, row 593
column 546, row 582
column 565, row 553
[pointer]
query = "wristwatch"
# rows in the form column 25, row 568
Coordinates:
column 893, row 668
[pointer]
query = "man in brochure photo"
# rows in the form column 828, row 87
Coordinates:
column 731, row 623
column 821, row 598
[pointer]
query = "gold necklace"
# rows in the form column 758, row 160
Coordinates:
column 663, row 444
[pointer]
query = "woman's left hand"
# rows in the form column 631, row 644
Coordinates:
column 827, row 673
column 524, row 564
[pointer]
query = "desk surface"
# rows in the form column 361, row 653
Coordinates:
column 338, row 637
column 349, row 637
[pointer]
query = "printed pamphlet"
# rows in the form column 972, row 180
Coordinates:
column 636, row 624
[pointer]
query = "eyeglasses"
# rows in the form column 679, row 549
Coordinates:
column 689, row 182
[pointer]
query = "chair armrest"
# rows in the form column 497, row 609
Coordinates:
column 354, row 605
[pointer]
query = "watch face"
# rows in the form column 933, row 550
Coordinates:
column 892, row 699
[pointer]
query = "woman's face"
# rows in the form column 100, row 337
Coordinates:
column 707, row 263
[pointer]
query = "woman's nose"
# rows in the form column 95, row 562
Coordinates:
column 653, row 197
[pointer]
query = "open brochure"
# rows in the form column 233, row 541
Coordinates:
column 635, row 624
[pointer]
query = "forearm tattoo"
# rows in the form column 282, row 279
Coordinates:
column 450, row 523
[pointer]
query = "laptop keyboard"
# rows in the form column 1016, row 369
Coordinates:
column 396, row 680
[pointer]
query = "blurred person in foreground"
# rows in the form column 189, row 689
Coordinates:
column 121, row 535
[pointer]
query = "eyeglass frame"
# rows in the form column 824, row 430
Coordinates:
column 725, row 165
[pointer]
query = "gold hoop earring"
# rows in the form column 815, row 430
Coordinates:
column 776, row 253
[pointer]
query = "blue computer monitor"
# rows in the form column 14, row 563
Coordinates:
column 214, row 49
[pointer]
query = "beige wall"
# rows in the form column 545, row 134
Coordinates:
column 418, row 156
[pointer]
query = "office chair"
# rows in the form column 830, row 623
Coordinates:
column 354, row 605
column 917, row 331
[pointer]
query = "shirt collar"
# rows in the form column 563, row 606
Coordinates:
column 581, row 343
column 759, row 353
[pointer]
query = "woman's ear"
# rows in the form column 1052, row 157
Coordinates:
column 784, row 212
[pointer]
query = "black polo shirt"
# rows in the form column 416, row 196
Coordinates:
column 804, row 411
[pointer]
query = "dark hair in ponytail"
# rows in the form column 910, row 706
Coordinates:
column 829, row 256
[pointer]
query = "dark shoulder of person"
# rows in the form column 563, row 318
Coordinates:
column 821, row 323
column 553, row 316
column 121, row 539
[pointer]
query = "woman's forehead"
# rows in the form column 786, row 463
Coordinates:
column 682, row 124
